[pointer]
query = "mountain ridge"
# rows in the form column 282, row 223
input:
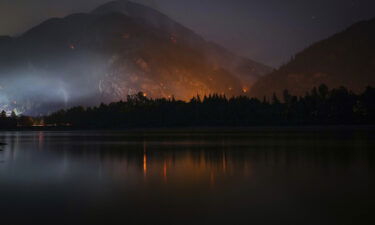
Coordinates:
column 344, row 59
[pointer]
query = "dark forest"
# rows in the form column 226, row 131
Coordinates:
column 320, row 106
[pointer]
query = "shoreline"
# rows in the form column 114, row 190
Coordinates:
column 211, row 129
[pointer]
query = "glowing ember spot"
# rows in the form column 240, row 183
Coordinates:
column 144, row 94
column 245, row 90
column 173, row 39
column 72, row 47
column 230, row 88
column 126, row 36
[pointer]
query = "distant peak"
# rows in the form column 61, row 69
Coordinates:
column 117, row 6
column 110, row 7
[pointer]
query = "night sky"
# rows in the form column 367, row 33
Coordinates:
column 269, row 31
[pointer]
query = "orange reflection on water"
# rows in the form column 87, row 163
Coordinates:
column 193, row 167
column 144, row 159
column 144, row 164
column 224, row 163
column 165, row 171
column 175, row 167
column 40, row 139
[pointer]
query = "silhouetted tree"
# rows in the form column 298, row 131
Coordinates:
column 319, row 106
column 323, row 91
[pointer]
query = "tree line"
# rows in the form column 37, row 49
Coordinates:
column 320, row 106
column 14, row 121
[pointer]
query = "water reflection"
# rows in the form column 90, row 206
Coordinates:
column 189, row 155
column 272, row 176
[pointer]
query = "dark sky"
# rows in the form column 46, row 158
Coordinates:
column 269, row 31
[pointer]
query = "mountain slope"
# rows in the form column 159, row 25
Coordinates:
column 240, row 66
column 345, row 59
column 118, row 49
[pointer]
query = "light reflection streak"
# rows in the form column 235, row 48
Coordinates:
column 165, row 171
column 144, row 159
column 41, row 140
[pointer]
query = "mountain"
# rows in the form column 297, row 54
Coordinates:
column 120, row 48
column 242, row 67
column 345, row 59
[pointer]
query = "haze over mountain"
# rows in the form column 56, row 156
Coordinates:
column 118, row 49
column 345, row 59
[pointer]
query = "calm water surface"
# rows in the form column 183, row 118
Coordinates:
column 257, row 176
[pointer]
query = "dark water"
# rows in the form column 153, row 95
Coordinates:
column 258, row 176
